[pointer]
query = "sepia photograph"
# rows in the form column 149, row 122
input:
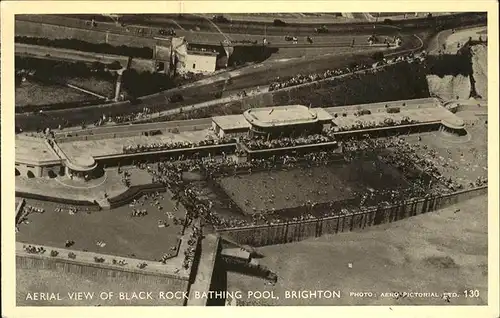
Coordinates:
column 251, row 159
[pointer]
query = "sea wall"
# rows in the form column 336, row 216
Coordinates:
column 102, row 271
column 262, row 235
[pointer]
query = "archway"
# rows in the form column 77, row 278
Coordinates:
column 17, row 173
column 30, row 174
column 52, row 174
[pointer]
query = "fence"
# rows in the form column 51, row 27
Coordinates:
column 261, row 235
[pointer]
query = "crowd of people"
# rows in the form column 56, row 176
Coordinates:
column 190, row 252
column 34, row 249
column 125, row 177
column 120, row 262
column 169, row 255
column 415, row 155
column 402, row 155
column 387, row 122
column 176, row 145
column 300, row 79
column 263, row 143
column 33, row 209
column 138, row 213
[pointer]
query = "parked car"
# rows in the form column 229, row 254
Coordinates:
column 169, row 32
column 290, row 38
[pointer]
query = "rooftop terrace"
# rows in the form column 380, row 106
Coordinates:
column 420, row 110
column 31, row 150
column 280, row 116
column 113, row 146
column 231, row 122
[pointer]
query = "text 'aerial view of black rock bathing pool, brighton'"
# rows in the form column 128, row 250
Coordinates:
column 257, row 159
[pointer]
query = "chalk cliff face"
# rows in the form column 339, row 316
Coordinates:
column 449, row 86
column 471, row 81
column 479, row 54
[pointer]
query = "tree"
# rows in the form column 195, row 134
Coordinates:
column 115, row 65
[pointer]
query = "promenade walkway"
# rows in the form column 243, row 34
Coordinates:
column 205, row 271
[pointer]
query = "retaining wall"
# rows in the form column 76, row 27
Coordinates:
column 398, row 81
column 134, row 192
column 296, row 231
column 91, row 205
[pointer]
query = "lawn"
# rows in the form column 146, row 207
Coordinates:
column 124, row 235
column 96, row 85
column 34, row 93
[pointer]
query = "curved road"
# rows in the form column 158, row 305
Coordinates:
column 213, row 37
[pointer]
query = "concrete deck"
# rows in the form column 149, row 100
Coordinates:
column 204, row 274
column 63, row 187
column 32, row 149
column 280, row 115
column 107, row 147
column 420, row 110
column 231, row 122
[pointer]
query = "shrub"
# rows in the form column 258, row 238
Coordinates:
column 71, row 255
column 54, row 253
column 115, row 65
column 98, row 259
